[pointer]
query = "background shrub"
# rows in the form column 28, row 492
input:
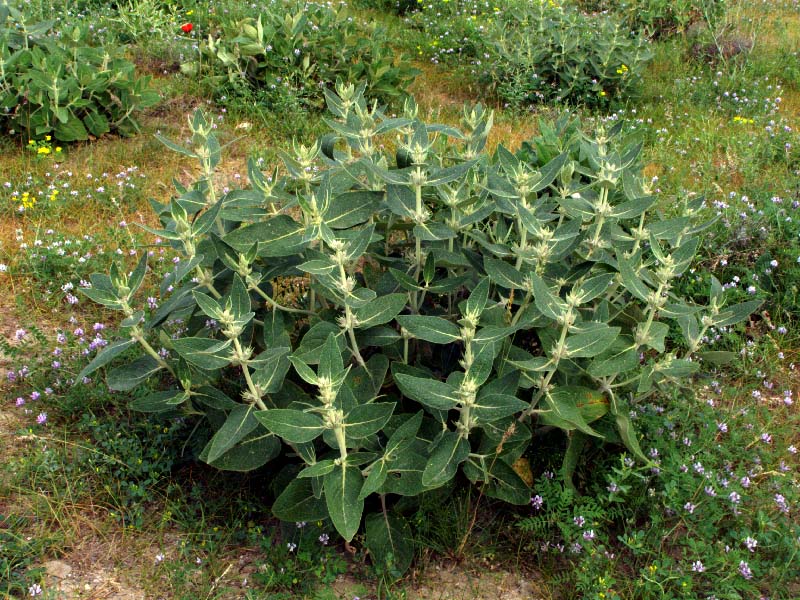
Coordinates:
column 61, row 86
column 296, row 49
column 534, row 52
column 660, row 18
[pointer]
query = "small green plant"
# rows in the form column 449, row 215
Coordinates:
column 705, row 518
column 299, row 48
column 422, row 313
column 60, row 86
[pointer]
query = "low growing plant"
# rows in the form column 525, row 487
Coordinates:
column 60, row 85
column 382, row 321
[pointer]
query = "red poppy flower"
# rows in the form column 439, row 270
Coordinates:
column 186, row 27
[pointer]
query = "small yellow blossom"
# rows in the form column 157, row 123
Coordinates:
column 43, row 150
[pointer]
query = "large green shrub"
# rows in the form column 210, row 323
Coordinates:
column 532, row 52
column 57, row 84
column 298, row 48
column 443, row 304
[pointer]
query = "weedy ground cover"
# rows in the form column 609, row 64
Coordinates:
column 707, row 509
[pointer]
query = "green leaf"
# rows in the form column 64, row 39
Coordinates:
column 405, row 433
column 628, row 435
column 239, row 297
column 352, row 208
column 376, row 478
column 656, row 337
column 209, row 306
column 548, row 172
column 359, row 243
column 137, row 277
column 366, row 419
column 731, row 315
column 718, row 357
column 377, row 336
column 491, row 407
column 175, row 147
column 631, row 281
column 278, row 236
column 431, row 329
column 71, row 131
column 318, row 469
column 313, row 341
column 275, row 333
column 213, row 398
column 503, row 274
column 548, row 303
column 96, row 123
column 159, row 401
column 252, row 452
column 390, row 543
column 477, row 299
column 577, row 442
column 127, row 377
column 570, row 407
column 593, row 287
column 298, row 503
column 273, row 365
column 450, row 452
column 401, row 201
column 331, row 364
column 204, row 352
column 105, row 297
column 429, row 392
column 620, row 362
column 433, row 231
column 105, row 356
column 239, row 423
column 342, row 487
column 506, row 485
column 381, row 310
column 677, row 367
column 448, row 174
column 405, row 475
column 633, row 208
column 294, row 426
column 591, row 342
column 318, row 266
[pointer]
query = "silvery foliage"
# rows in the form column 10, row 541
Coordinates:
column 452, row 302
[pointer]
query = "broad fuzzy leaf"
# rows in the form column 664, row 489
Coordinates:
column 342, row 488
